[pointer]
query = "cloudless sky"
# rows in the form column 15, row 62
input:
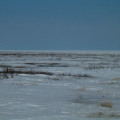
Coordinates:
column 59, row 24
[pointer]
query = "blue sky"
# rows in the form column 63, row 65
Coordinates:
column 59, row 24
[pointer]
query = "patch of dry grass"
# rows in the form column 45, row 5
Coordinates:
column 113, row 114
column 82, row 88
column 96, row 114
column 107, row 104
column 104, row 114
column 116, row 79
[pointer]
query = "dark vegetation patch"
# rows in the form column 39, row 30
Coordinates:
column 49, row 64
column 53, row 65
column 20, row 67
column 5, row 76
column 5, row 66
column 91, row 67
column 12, row 71
column 43, row 54
column 59, row 55
column 76, row 75
column 32, row 63
column 8, row 73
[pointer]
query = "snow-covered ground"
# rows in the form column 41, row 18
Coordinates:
column 84, row 85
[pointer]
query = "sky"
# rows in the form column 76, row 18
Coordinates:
column 59, row 24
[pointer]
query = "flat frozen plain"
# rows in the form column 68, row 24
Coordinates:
column 84, row 85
